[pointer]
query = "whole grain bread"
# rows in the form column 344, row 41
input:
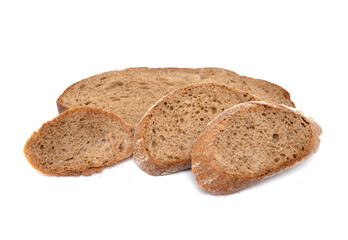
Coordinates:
column 131, row 92
column 81, row 140
column 249, row 143
column 166, row 133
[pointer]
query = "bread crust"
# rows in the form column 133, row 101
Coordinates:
column 62, row 107
column 210, row 177
column 84, row 171
column 143, row 158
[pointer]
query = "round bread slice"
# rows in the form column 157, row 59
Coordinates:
column 81, row 140
column 249, row 143
column 165, row 136
column 131, row 92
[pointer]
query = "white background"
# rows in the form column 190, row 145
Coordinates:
column 48, row 45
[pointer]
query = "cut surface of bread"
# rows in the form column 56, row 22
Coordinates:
column 251, row 142
column 131, row 92
column 81, row 140
column 165, row 135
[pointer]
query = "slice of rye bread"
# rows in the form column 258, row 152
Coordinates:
column 81, row 140
column 249, row 143
column 165, row 135
column 131, row 92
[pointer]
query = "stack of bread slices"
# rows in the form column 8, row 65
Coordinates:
column 232, row 131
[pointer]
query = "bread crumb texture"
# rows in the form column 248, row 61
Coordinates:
column 131, row 92
column 81, row 140
column 251, row 142
column 170, row 127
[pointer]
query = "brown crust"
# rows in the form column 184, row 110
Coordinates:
column 61, row 107
column 88, row 171
column 211, row 178
column 143, row 158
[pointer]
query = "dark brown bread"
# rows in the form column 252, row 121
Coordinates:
column 81, row 140
column 131, row 92
column 165, row 135
column 251, row 142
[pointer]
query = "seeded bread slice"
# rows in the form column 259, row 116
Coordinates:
column 249, row 143
column 81, row 140
column 165, row 135
column 131, row 92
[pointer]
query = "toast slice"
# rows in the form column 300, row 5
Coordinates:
column 131, row 92
column 81, row 140
column 249, row 143
column 165, row 135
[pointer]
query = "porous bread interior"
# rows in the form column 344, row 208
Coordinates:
column 77, row 141
column 131, row 92
column 177, row 120
column 259, row 140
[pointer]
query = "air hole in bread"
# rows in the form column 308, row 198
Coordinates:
column 88, row 102
column 145, row 87
column 213, row 110
column 114, row 99
column 120, row 147
column 69, row 159
column 115, row 84
column 275, row 138
column 154, row 144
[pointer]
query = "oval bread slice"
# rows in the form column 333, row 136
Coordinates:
column 81, row 140
column 131, row 92
column 249, row 143
column 165, row 136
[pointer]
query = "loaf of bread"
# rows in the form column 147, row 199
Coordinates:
column 166, row 133
column 81, row 140
column 131, row 92
column 251, row 142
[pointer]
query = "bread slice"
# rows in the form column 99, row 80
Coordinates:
column 251, row 142
column 81, row 140
column 131, row 92
column 165, row 135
